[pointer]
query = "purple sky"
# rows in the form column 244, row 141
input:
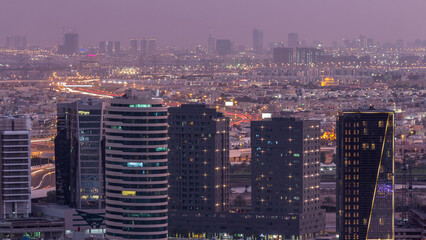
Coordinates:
column 188, row 22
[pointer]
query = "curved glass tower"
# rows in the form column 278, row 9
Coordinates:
column 136, row 167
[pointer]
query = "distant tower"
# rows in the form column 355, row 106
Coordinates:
column 134, row 46
column 117, row 49
column 70, row 45
column 365, row 174
column 15, row 173
column 283, row 55
column 110, row 47
column 223, row 46
column 102, row 47
column 144, row 47
column 257, row 40
column 211, row 43
column 9, row 42
column 293, row 40
column 152, row 47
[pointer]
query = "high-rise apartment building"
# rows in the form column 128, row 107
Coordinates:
column 198, row 160
column 79, row 155
column 70, row 45
column 211, row 43
column 365, row 174
column 144, row 47
column 306, row 56
column 152, row 44
column 258, row 40
column 102, row 46
column 117, row 48
column 283, row 55
column 286, row 173
column 15, row 171
column 223, row 46
column 136, row 167
column 293, row 40
column 134, row 46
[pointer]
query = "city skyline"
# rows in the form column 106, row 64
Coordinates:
column 172, row 23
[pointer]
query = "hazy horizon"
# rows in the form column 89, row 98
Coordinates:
column 189, row 22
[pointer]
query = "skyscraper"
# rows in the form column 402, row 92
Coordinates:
column 283, row 55
column 285, row 172
column 144, row 47
column 15, row 155
column 134, row 46
column 198, row 160
column 293, row 40
column 152, row 47
column 102, row 47
column 70, row 44
column 79, row 155
column 9, row 42
column 258, row 40
column 365, row 174
column 110, row 47
column 117, row 49
column 136, row 167
column 223, row 46
column 211, row 43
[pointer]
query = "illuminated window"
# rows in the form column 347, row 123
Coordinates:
column 381, row 123
column 365, row 146
column 140, row 105
column 373, row 146
column 128, row 193
column 135, row 164
column 83, row 113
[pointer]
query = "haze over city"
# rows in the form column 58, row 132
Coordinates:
column 188, row 22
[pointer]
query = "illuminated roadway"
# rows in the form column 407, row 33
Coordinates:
column 42, row 180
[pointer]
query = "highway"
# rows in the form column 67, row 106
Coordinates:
column 43, row 177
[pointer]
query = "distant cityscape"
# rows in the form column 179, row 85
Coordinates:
column 288, row 140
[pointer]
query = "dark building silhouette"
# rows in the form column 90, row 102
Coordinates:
column 293, row 40
column 285, row 176
column 71, row 43
column 198, row 160
column 258, row 40
column 117, row 48
column 283, row 55
column 305, row 56
column 211, row 43
column 79, row 155
column 102, row 46
column 223, row 46
column 144, row 47
column 110, row 47
column 365, row 174
column 134, row 46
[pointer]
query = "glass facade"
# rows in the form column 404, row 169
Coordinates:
column 136, row 167
column 365, row 185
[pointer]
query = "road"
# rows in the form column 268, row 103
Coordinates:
column 43, row 177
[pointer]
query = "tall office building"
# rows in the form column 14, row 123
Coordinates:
column 134, row 46
column 198, row 160
column 136, row 167
column 223, row 46
column 306, row 56
column 144, row 47
column 117, row 49
column 293, row 40
column 70, row 45
column 285, row 172
column 15, row 159
column 365, row 174
column 79, row 155
column 283, row 55
column 9, row 42
column 102, row 46
column 211, row 43
column 258, row 40
column 110, row 47
column 152, row 47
